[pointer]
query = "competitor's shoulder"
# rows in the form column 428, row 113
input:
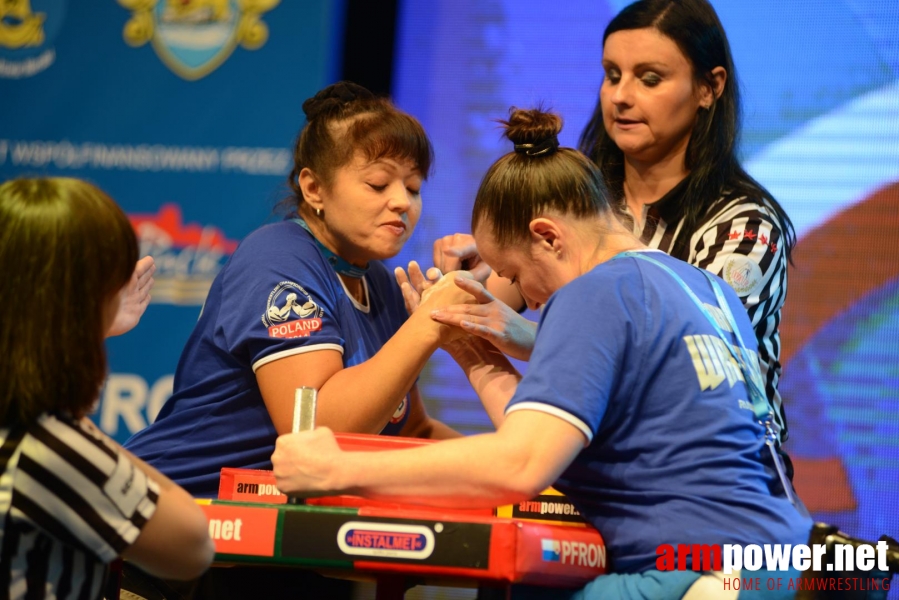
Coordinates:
column 594, row 286
column 273, row 236
column 282, row 246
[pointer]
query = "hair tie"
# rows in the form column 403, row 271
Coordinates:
column 546, row 147
column 334, row 97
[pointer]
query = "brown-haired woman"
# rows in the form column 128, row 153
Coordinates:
column 664, row 135
column 307, row 302
column 71, row 499
column 617, row 408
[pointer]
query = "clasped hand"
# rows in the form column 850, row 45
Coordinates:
column 487, row 318
column 306, row 463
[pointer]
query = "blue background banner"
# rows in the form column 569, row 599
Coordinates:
column 198, row 160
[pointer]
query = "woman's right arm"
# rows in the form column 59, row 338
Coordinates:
column 360, row 398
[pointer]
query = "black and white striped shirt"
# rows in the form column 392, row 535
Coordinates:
column 738, row 239
column 70, row 503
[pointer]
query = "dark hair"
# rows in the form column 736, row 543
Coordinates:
column 536, row 178
column 66, row 250
column 344, row 118
column 711, row 155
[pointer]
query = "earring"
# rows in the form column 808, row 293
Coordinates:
column 318, row 212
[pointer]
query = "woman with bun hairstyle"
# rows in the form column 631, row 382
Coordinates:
column 307, row 302
column 611, row 410
column 664, row 135
column 71, row 499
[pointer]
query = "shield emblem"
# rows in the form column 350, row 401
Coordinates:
column 194, row 37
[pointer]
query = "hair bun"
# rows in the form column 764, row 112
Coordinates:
column 334, row 97
column 534, row 132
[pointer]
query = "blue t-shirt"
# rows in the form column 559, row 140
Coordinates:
column 676, row 455
column 276, row 297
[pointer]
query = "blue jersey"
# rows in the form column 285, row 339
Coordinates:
column 275, row 298
column 675, row 453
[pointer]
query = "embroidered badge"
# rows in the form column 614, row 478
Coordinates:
column 290, row 312
column 742, row 274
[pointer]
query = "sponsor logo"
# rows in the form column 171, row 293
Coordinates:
column 771, row 557
column 812, row 559
column 188, row 257
column 394, row 540
column 571, row 552
column 742, row 274
column 194, row 37
column 289, row 300
column 241, row 529
column 27, row 29
column 551, row 550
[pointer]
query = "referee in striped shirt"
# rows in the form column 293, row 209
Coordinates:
column 71, row 499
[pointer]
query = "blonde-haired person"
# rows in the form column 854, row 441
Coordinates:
column 611, row 410
column 71, row 499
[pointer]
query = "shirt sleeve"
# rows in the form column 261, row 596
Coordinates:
column 742, row 244
column 279, row 298
column 579, row 353
column 72, row 483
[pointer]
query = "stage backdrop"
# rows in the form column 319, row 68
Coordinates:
column 185, row 113
column 821, row 131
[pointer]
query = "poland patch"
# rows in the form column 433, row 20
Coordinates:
column 742, row 274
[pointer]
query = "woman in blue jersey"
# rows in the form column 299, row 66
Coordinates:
column 642, row 399
column 307, row 302
column 664, row 135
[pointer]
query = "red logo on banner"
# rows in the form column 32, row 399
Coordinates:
column 187, row 256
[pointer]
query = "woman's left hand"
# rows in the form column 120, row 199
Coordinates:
column 305, row 463
column 414, row 284
column 135, row 297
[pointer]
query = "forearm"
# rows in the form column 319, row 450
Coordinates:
column 477, row 471
column 490, row 373
column 363, row 398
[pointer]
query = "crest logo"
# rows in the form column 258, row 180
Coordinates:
column 289, row 300
column 742, row 274
column 188, row 257
column 194, row 37
column 26, row 29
